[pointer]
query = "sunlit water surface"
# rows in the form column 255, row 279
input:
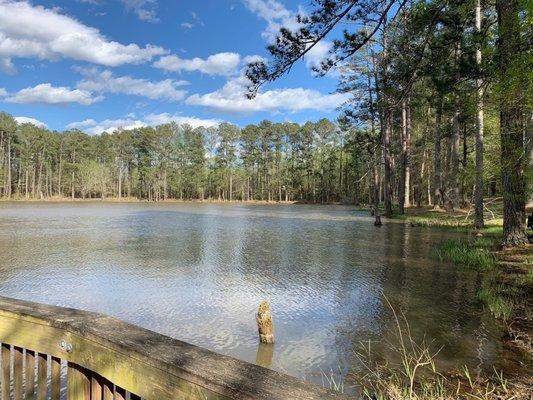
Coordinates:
column 197, row 272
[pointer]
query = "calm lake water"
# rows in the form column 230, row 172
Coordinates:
column 197, row 272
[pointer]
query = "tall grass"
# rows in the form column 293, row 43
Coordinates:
column 416, row 377
column 333, row 381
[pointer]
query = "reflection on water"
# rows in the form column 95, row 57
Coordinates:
column 197, row 272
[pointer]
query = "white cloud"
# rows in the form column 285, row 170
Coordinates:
column 36, row 31
column 93, row 127
column 231, row 98
column 165, row 118
column 216, row 64
column 275, row 14
column 143, row 9
column 3, row 92
column 317, row 54
column 6, row 65
column 29, row 120
column 196, row 20
column 48, row 94
column 82, row 124
column 105, row 82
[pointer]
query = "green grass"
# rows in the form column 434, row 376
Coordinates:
column 498, row 304
column 465, row 252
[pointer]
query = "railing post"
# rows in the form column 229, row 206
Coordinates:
column 55, row 380
column 18, row 373
column 108, row 390
column 78, row 383
column 120, row 394
column 96, row 387
column 6, row 360
column 30, row 375
column 41, row 376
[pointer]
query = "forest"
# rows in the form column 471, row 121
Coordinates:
column 439, row 114
column 318, row 162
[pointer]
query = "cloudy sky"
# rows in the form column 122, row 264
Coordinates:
column 100, row 64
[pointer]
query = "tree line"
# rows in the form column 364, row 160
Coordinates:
column 313, row 162
column 320, row 162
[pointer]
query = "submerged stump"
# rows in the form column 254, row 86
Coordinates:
column 264, row 323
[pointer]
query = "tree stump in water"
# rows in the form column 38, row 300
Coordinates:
column 264, row 323
column 265, row 354
column 377, row 222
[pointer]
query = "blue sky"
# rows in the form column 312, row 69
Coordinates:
column 101, row 64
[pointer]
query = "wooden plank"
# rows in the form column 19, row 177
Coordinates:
column 18, row 373
column 107, row 389
column 6, row 369
column 78, row 383
column 120, row 394
column 41, row 376
column 96, row 387
column 55, row 378
column 30, row 375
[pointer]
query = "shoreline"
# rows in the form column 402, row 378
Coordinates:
column 507, row 279
column 171, row 201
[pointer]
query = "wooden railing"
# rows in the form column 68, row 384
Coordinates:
column 47, row 350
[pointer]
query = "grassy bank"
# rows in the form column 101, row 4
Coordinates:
column 507, row 273
column 506, row 288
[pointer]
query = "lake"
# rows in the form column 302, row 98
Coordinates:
column 197, row 272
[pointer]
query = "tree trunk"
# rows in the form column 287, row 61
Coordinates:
column 407, row 158
column 403, row 189
column 454, row 158
column 26, row 179
column 387, row 187
column 437, row 179
column 456, row 138
column 119, row 183
column 8, row 167
column 230, row 186
column 376, row 185
column 421, row 184
column 60, row 173
column 511, row 124
column 478, row 195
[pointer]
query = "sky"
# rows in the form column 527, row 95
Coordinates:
column 97, row 65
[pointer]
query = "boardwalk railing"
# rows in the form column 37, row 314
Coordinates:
column 46, row 350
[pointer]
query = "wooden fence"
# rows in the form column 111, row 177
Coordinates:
column 51, row 352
